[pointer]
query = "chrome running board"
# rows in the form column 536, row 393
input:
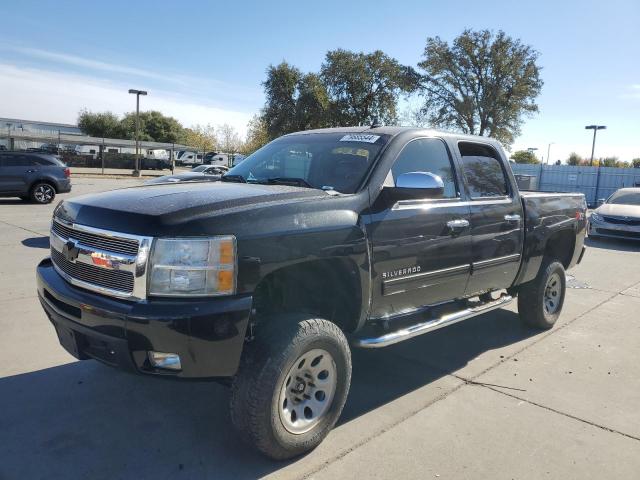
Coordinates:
column 431, row 325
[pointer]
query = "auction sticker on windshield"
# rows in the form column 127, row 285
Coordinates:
column 360, row 137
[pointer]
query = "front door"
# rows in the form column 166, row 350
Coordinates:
column 420, row 247
column 496, row 219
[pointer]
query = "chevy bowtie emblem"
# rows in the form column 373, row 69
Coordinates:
column 70, row 250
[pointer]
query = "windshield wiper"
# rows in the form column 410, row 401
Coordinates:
column 300, row 182
column 233, row 178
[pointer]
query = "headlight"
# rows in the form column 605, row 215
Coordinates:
column 595, row 217
column 193, row 266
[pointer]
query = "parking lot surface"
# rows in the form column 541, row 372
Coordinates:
column 485, row 398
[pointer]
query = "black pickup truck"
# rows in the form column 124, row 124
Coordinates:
column 320, row 240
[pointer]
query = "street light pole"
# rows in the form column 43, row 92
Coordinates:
column 549, row 152
column 137, row 93
column 8, row 136
column 595, row 129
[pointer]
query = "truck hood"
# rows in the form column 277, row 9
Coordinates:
column 619, row 210
column 180, row 208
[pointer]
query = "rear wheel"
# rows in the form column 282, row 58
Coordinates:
column 42, row 193
column 540, row 301
column 292, row 384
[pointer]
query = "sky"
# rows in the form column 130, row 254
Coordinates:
column 203, row 62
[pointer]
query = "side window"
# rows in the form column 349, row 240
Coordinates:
column 427, row 155
column 18, row 161
column 40, row 161
column 483, row 170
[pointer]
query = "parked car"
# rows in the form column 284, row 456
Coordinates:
column 618, row 216
column 33, row 176
column 318, row 240
column 201, row 173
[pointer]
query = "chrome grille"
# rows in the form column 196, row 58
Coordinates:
column 118, row 280
column 103, row 261
column 123, row 246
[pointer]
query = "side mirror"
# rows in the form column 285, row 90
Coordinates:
column 415, row 185
column 601, row 201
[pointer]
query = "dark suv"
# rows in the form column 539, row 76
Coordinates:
column 33, row 176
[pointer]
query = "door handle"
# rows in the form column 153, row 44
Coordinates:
column 457, row 225
column 31, row 171
column 514, row 218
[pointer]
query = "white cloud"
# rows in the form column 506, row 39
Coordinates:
column 86, row 63
column 40, row 94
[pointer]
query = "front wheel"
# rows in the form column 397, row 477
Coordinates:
column 292, row 384
column 540, row 301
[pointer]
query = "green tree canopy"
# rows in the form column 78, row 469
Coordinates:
column 154, row 126
column 105, row 125
column 281, row 91
column 257, row 135
column 635, row 162
column 524, row 156
column 575, row 159
column 481, row 84
column 350, row 89
column 365, row 86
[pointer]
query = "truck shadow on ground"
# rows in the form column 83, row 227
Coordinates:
column 85, row 420
column 36, row 242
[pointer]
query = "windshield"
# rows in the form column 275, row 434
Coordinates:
column 201, row 168
column 330, row 161
column 625, row 198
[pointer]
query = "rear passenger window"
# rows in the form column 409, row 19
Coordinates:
column 18, row 161
column 483, row 170
column 427, row 155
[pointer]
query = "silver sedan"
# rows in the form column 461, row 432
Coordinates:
column 618, row 217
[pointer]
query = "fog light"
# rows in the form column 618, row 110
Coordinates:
column 170, row 361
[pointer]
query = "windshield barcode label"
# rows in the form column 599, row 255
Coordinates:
column 360, row 137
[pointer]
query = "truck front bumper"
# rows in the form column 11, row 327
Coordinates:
column 207, row 334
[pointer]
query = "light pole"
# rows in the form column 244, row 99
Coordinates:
column 595, row 129
column 137, row 93
column 549, row 152
column 532, row 150
column 8, row 136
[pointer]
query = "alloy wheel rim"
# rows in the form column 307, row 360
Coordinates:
column 552, row 291
column 307, row 391
column 43, row 193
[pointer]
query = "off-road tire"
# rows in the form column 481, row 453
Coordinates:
column 531, row 296
column 265, row 365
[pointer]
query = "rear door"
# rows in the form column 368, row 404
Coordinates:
column 496, row 218
column 17, row 170
column 420, row 247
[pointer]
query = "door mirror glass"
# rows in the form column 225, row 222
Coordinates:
column 415, row 185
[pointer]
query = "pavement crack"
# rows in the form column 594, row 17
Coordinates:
column 559, row 412
column 23, row 228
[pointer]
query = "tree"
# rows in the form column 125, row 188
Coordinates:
column 575, row 159
column 524, row 156
column 202, row 137
column 312, row 103
column 228, row 139
column 105, row 125
column 280, row 90
column 365, row 86
column 636, row 162
column 483, row 84
column 154, row 126
column 257, row 135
